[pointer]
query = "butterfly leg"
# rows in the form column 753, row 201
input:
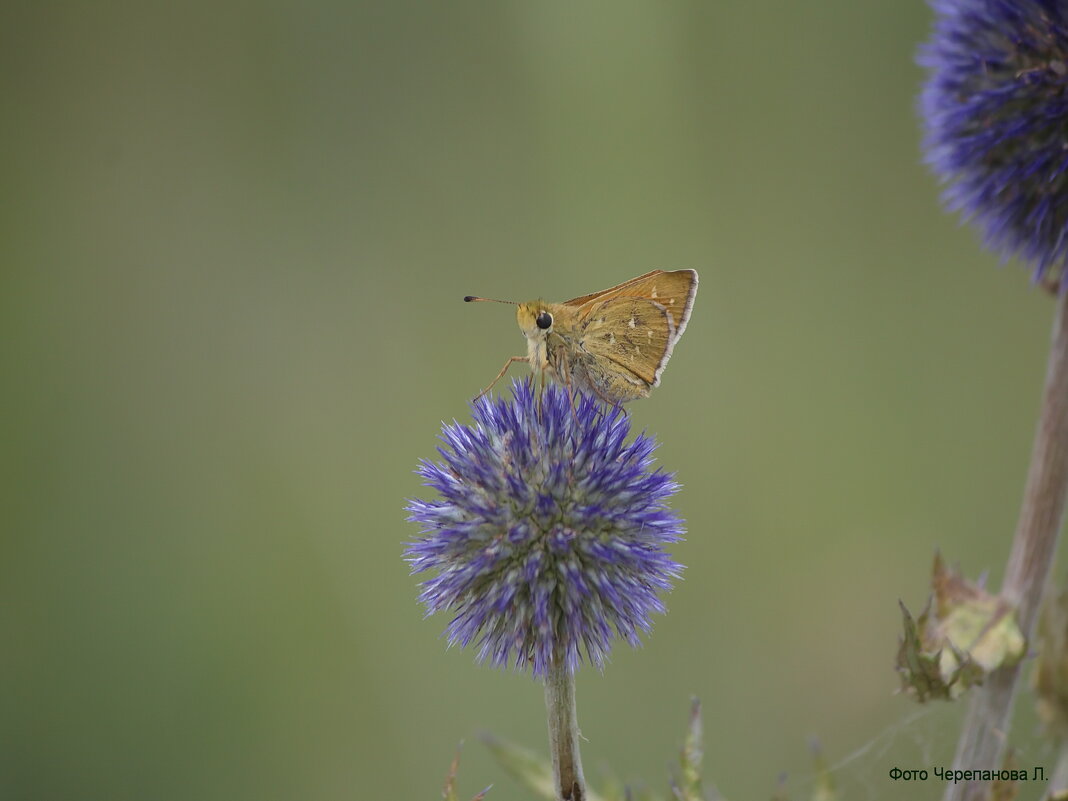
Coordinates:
column 562, row 370
column 566, row 374
column 500, row 375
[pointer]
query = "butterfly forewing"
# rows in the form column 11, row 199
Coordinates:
column 619, row 289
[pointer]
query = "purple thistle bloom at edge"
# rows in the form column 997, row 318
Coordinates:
column 995, row 116
column 548, row 538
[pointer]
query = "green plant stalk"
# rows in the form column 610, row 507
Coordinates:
column 983, row 739
column 1059, row 781
column 564, row 732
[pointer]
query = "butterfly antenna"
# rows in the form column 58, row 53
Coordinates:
column 473, row 298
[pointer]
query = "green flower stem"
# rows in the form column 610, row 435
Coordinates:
column 1059, row 782
column 982, row 742
column 564, row 732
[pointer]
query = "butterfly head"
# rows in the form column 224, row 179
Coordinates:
column 535, row 321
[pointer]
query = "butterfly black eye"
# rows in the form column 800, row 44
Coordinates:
column 544, row 321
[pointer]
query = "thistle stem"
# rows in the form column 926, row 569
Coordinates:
column 982, row 742
column 564, row 732
column 1059, row 782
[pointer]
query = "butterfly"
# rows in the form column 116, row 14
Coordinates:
column 614, row 343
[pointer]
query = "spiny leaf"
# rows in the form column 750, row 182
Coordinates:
column 969, row 634
column 528, row 768
column 689, row 786
column 824, row 789
column 448, row 792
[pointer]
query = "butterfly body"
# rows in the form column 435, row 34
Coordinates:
column 614, row 343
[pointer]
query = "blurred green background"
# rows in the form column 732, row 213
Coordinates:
column 234, row 241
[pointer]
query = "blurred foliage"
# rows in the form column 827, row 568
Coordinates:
column 535, row 772
column 234, row 241
column 1049, row 677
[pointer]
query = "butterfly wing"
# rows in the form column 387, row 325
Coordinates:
column 634, row 333
column 619, row 289
column 621, row 338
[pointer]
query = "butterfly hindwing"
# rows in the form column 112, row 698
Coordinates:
column 634, row 334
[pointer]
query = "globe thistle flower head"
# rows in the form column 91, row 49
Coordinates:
column 995, row 115
column 547, row 541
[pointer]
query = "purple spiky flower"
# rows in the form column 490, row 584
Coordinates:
column 548, row 538
column 995, row 116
